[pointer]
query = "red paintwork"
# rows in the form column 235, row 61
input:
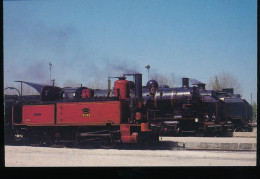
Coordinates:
column 87, row 93
column 140, row 104
column 84, row 93
column 138, row 116
column 126, row 136
column 145, row 127
column 125, row 129
column 123, row 86
column 38, row 114
column 99, row 113
column 130, row 139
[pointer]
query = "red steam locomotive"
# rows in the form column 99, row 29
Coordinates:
column 55, row 119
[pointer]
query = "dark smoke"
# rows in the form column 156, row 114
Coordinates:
column 112, row 68
column 120, row 68
column 37, row 72
column 194, row 81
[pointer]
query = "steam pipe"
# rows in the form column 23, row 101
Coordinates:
column 21, row 87
column 138, row 85
column 109, row 85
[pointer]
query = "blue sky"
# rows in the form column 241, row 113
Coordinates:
column 89, row 40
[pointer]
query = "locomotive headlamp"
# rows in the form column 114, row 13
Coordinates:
column 196, row 120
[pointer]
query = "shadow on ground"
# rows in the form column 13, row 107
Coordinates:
column 162, row 145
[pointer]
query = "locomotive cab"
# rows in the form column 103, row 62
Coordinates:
column 51, row 93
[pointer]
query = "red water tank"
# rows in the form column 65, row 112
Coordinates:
column 121, row 88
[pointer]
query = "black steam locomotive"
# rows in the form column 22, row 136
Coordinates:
column 197, row 110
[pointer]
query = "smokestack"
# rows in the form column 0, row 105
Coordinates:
column 185, row 82
column 138, row 85
column 201, row 86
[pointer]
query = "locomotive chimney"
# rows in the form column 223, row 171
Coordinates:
column 138, row 85
column 185, row 82
column 201, row 86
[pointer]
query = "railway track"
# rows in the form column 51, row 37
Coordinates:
column 240, row 141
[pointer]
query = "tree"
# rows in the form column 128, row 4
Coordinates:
column 163, row 80
column 224, row 80
column 71, row 83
